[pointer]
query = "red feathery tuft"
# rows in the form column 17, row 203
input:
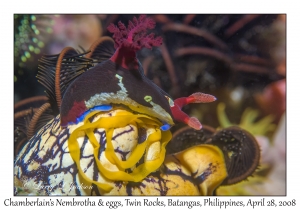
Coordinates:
column 135, row 35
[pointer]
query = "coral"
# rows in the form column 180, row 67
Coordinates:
column 262, row 127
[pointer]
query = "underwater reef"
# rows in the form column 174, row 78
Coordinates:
column 138, row 108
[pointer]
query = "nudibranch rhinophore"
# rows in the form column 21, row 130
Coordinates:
column 111, row 125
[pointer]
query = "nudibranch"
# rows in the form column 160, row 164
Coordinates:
column 121, row 80
column 112, row 127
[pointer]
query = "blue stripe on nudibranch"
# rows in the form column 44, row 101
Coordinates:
column 104, row 107
column 165, row 127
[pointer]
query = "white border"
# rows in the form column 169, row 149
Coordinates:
column 8, row 8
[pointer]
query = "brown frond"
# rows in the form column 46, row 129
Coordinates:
column 27, row 103
column 102, row 49
column 196, row 31
column 36, row 119
column 56, row 72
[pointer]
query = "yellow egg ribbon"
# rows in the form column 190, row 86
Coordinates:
column 122, row 119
